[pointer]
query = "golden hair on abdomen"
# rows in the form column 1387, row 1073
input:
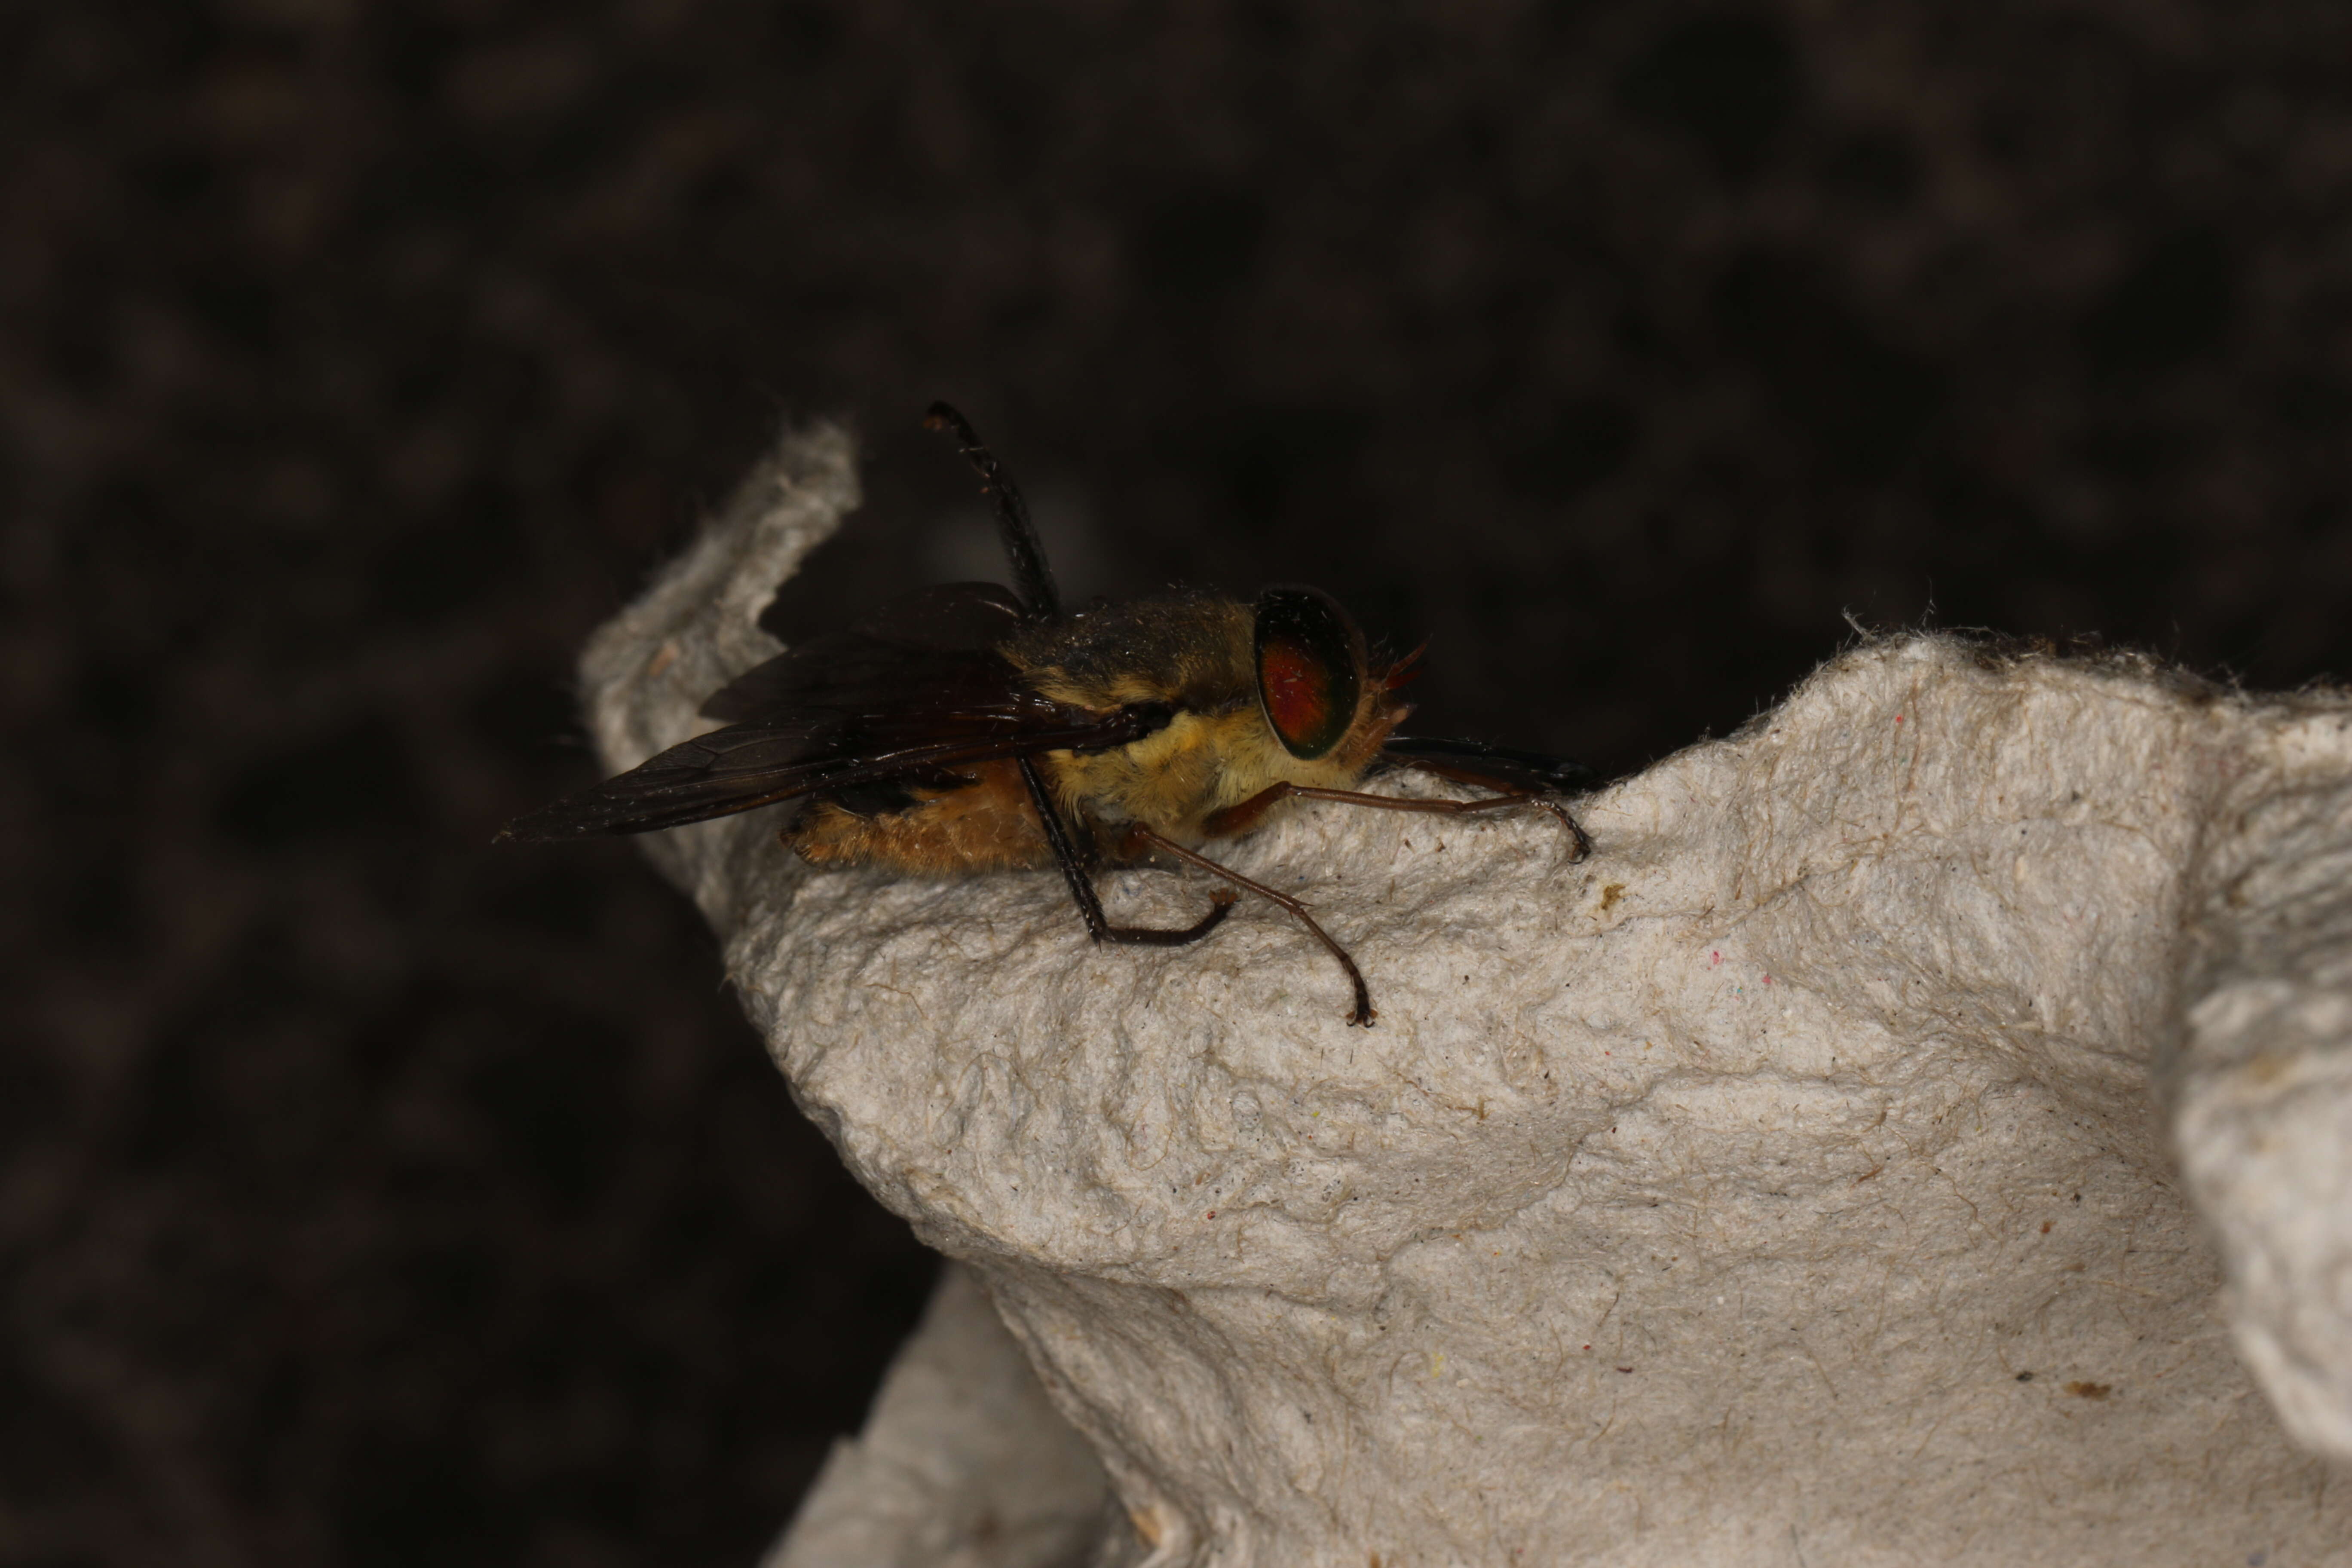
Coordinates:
column 986, row 825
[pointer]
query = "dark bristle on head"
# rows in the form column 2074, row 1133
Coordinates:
column 1404, row 671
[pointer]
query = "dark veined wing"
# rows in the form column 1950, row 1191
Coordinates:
column 914, row 714
column 890, row 648
column 1498, row 767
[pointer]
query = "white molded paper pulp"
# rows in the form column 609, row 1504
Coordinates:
column 1920, row 1133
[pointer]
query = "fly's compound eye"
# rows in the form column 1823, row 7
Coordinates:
column 1310, row 669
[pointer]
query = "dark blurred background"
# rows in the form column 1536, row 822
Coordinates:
column 371, row 1198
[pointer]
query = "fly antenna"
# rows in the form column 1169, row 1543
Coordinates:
column 1032, row 578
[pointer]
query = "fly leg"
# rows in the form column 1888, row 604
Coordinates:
column 1362, row 1012
column 1082, row 886
column 1240, row 817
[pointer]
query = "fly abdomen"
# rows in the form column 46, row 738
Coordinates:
column 984, row 822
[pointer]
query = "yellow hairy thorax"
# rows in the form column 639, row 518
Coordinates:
column 1201, row 764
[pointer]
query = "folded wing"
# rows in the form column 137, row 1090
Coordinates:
column 913, row 690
